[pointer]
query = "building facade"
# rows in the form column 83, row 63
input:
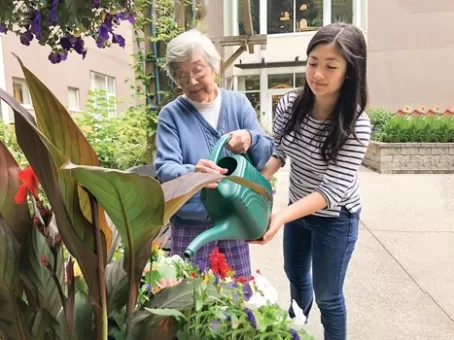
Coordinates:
column 410, row 48
column 106, row 69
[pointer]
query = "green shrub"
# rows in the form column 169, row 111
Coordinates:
column 379, row 117
column 119, row 141
column 418, row 129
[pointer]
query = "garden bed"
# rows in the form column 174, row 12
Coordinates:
column 410, row 158
column 411, row 141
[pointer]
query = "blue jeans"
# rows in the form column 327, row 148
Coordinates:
column 326, row 243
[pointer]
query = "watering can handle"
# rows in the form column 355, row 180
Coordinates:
column 219, row 147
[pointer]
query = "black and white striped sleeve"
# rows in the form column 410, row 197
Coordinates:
column 340, row 176
column 280, row 121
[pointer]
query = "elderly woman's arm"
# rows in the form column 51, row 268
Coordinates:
column 261, row 147
column 169, row 160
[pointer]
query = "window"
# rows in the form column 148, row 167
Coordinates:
column 289, row 16
column 286, row 81
column 255, row 15
column 21, row 92
column 73, row 99
column 106, row 85
column 250, row 86
column 342, row 10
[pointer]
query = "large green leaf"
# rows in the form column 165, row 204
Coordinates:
column 75, row 231
column 12, row 323
column 134, row 203
column 37, row 277
column 15, row 215
column 117, row 287
column 57, row 125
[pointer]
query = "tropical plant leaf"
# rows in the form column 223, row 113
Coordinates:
column 12, row 323
column 17, row 216
column 83, row 317
column 178, row 191
column 148, row 326
column 117, row 287
column 45, row 326
column 134, row 203
column 166, row 312
column 75, row 231
column 57, row 125
column 37, row 277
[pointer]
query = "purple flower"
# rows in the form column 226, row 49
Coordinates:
column 118, row 39
column 3, row 28
column 53, row 11
column 103, row 32
column 55, row 57
column 215, row 324
column 202, row 266
column 251, row 317
column 26, row 37
column 96, row 2
column 149, row 288
column 79, row 46
column 294, row 335
column 35, row 19
column 126, row 16
column 247, row 291
column 216, row 279
column 65, row 43
column 100, row 43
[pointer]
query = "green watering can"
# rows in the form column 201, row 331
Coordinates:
column 238, row 213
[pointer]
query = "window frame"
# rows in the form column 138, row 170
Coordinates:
column 25, row 92
column 359, row 17
column 109, row 95
column 74, row 109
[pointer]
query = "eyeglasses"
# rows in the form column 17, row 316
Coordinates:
column 197, row 74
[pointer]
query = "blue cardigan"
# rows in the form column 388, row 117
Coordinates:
column 184, row 137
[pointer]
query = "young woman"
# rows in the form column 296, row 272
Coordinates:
column 325, row 132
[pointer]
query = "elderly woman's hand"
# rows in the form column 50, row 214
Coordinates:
column 241, row 141
column 207, row 166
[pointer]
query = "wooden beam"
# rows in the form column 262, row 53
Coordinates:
column 235, row 40
column 180, row 11
column 232, row 58
column 247, row 22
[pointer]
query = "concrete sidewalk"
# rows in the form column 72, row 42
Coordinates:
column 402, row 272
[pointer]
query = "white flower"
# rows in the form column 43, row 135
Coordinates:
column 266, row 289
column 256, row 301
column 299, row 320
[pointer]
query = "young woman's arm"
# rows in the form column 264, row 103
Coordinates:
column 271, row 167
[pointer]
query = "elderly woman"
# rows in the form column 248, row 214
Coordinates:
column 190, row 126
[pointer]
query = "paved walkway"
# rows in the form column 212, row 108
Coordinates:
column 401, row 278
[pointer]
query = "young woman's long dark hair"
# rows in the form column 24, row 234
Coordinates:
column 353, row 95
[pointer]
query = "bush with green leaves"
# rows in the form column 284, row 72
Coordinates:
column 392, row 128
column 120, row 141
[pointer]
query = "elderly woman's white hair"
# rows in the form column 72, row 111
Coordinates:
column 181, row 48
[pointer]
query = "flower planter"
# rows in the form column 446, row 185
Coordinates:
column 410, row 158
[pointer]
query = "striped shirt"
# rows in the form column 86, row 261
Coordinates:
column 338, row 183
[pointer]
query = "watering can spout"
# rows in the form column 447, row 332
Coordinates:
column 221, row 231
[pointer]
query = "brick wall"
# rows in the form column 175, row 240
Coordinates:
column 395, row 158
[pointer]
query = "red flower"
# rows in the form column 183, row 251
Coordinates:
column 242, row 280
column 30, row 184
column 219, row 264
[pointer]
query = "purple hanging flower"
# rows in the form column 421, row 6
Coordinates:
column 126, row 16
column 54, row 57
column 26, row 37
column 79, row 45
column 294, row 335
column 100, row 43
column 118, row 39
column 66, row 43
column 35, row 19
column 53, row 11
column 251, row 317
column 3, row 28
column 103, row 32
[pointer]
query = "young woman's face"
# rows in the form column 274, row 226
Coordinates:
column 325, row 71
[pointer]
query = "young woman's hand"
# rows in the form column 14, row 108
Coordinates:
column 276, row 223
column 241, row 141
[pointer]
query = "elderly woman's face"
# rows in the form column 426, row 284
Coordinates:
column 196, row 78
